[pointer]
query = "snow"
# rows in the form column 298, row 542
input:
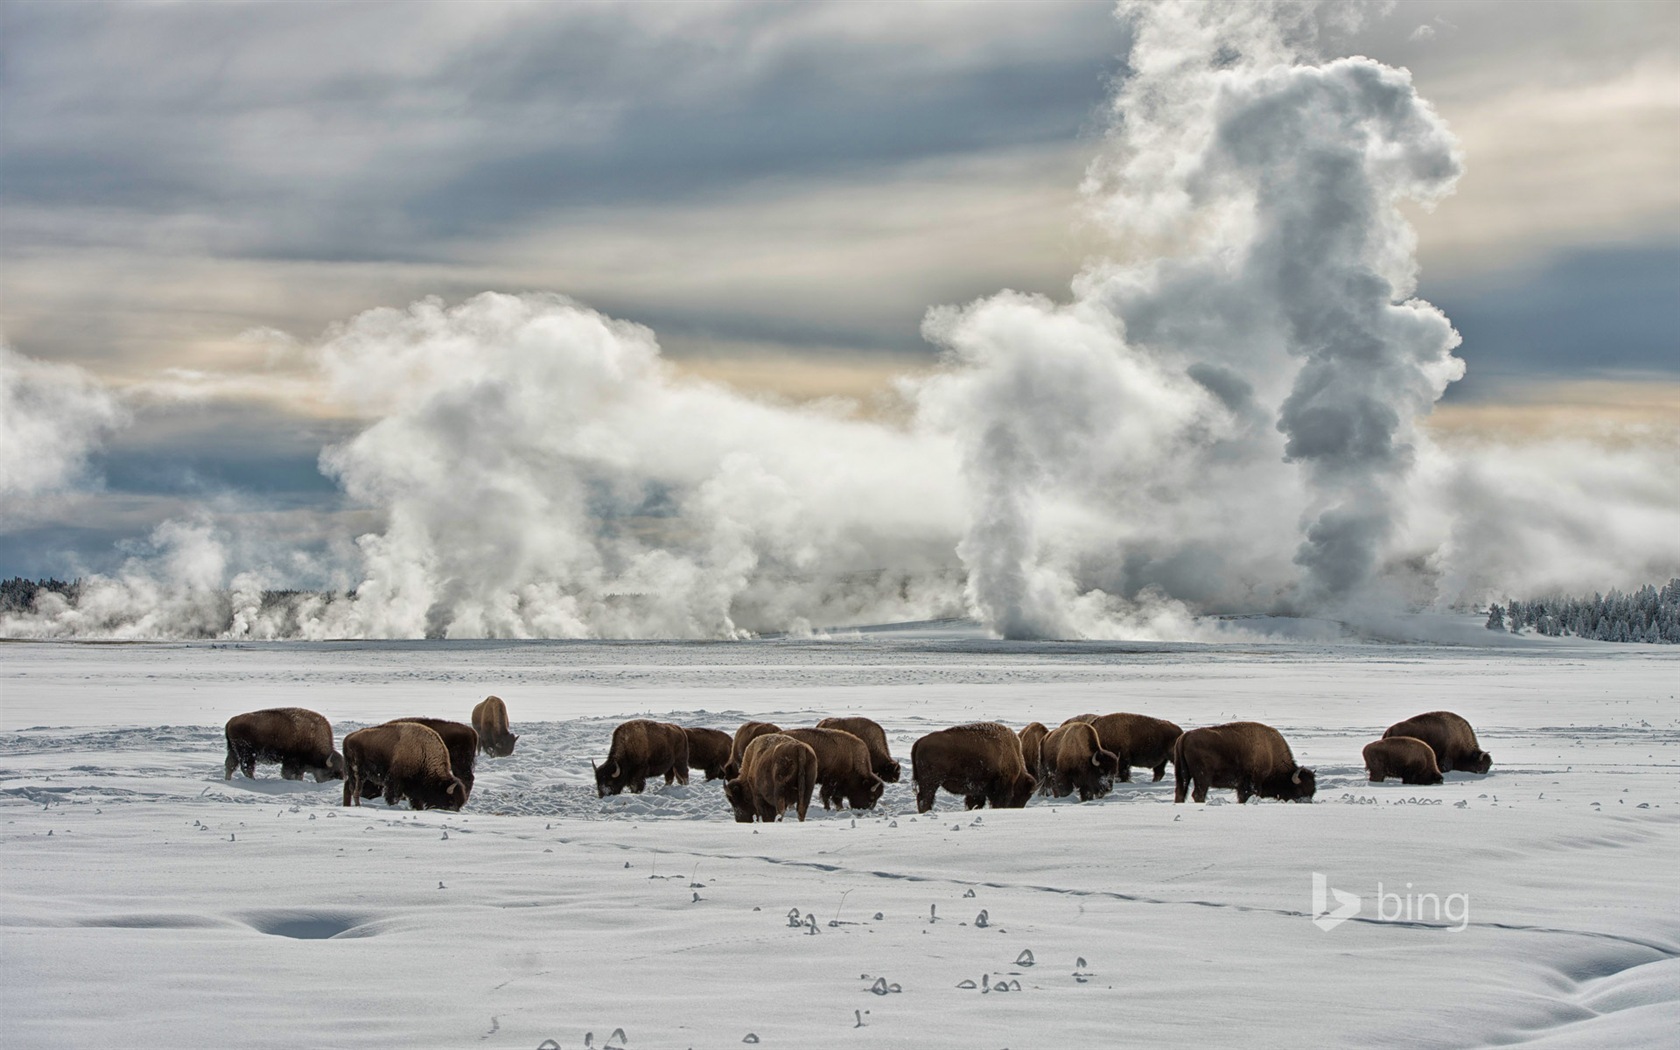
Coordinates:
column 147, row 902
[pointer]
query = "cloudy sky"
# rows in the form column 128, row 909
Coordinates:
column 189, row 192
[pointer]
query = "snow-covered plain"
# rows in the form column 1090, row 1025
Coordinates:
column 145, row 901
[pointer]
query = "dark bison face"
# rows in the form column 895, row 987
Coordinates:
column 892, row 773
column 610, row 779
column 334, row 770
column 1300, row 786
column 871, row 793
column 1482, row 762
column 446, row 795
column 1106, row 762
column 736, row 792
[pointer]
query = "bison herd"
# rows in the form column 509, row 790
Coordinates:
column 767, row 769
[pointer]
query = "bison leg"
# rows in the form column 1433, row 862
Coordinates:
column 924, row 796
column 1245, row 790
column 1160, row 771
column 289, row 770
column 1199, row 792
column 231, row 763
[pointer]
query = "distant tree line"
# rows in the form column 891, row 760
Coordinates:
column 18, row 594
column 1649, row 614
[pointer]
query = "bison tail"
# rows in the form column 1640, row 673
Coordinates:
column 1181, row 776
column 807, row 781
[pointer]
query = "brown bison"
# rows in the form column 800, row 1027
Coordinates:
column 1137, row 740
column 1450, row 737
column 490, row 721
column 461, row 741
column 708, row 751
column 1073, row 759
column 642, row 749
column 777, row 771
column 980, row 761
column 1032, row 750
column 743, row 737
column 408, row 759
column 1248, row 756
column 299, row 739
column 873, row 737
column 844, row 772
column 1405, row 757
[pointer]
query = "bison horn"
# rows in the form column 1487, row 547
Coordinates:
column 593, row 766
column 1296, row 779
column 613, row 772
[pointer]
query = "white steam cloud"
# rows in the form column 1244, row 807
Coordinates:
column 1224, row 418
column 52, row 417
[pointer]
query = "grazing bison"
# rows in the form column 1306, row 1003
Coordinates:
column 708, row 751
column 1032, row 751
column 1137, row 740
column 408, row 759
column 1073, row 759
column 299, row 739
column 843, row 769
column 743, row 737
column 1248, row 756
column 461, row 741
column 777, row 771
column 490, row 721
column 873, row 737
column 980, row 761
column 1406, row 757
column 1450, row 737
column 642, row 749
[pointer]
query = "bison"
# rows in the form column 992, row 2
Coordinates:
column 490, row 721
column 980, row 761
column 708, row 751
column 1137, row 740
column 743, row 737
column 1406, row 757
column 1073, row 759
column 777, row 771
column 1450, row 737
column 299, row 739
column 408, row 759
column 1248, row 756
column 642, row 749
column 843, row 768
column 874, row 738
column 461, row 741
column 1032, row 750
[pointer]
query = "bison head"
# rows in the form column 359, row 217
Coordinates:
column 1300, row 786
column 1021, row 791
column 1481, row 762
column 871, row 793
column 740, row 801
column 333, row 771
column 892, row 772
column 610, row 779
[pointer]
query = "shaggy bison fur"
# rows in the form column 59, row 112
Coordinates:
column 642, row 749
column 743, row 737
column 708, row 751
column 874, row 738
column 1248, row 756
column 490, row 721
column 1137, row 740
column 777, row 771
column 1405, row 757
column 461, row 741
column 1032, row 751
column 299, row 739
column 408, row 759
column 1073, row 759
column 844, row 771
column 980, row 761
column 1450, row 737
